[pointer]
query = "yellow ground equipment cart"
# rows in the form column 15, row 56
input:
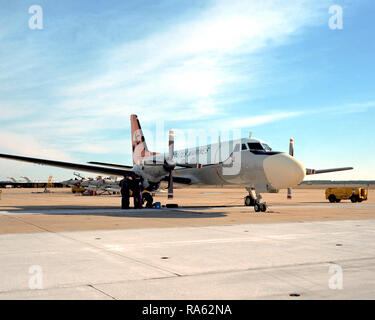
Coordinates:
column 347, row 193
column 78, row 189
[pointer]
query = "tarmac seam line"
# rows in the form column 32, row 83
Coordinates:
column 101, row 291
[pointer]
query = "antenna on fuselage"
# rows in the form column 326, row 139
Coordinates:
column 219, row 139
column 250, row 134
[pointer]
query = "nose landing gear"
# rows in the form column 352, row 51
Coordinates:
column 249, row 201
column 260, row 206
column 254, row 200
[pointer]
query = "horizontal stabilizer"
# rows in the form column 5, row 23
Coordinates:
column 313, row 171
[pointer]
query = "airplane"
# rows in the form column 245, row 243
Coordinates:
column 248, row 162
column 99, row 184
column 74, row 181
column 71, row 182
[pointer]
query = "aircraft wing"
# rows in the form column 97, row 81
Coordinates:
column 74, row 166
column 113, row 165
column 313, row 171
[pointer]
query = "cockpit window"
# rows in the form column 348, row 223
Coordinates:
column 266, row 147
column 244, row 146
column 255, row 146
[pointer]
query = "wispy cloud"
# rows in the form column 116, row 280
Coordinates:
column 263, row 119
column 187, row 68
column 27, row 145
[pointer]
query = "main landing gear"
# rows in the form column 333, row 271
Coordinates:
column 133, row 187
column 254, row 200
column 147, row 197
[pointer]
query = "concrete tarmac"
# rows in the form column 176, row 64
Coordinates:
column 190, row 253
column 22, row 211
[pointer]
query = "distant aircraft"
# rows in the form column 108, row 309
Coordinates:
column 75, row 181
column 248, row 162
column 99, row 185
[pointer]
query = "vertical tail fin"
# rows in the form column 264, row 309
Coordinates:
column 139, row 146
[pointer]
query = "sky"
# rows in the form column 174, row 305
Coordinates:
column 275, row 68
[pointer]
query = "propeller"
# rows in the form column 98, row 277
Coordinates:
column 170, row 164
column 291, row 153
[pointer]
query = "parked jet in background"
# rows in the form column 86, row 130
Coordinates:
column 99, row 185
column 248, row 161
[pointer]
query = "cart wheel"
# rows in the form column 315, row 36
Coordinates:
column 332, row 198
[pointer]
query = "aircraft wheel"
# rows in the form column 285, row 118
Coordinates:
column 249, row 201
column 332, row 198
column 263, row 207
column 257, row 207
column 149, row 199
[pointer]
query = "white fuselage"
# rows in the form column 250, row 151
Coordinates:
column 232, row 162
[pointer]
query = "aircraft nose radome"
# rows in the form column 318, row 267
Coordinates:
column 283, row 171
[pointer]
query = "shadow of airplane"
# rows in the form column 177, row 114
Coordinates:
column 114, row 211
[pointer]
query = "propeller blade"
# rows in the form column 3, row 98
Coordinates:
column 171, row 144
column 170, row 186
column 291, row 153
column 170, row 164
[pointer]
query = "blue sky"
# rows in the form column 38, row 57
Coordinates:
column 271, row 67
